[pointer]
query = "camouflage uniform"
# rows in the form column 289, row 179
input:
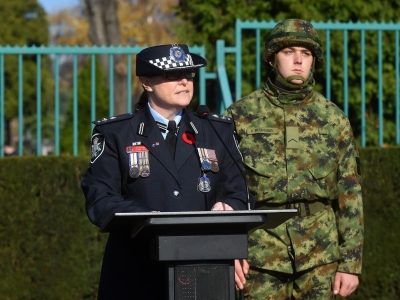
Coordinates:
column 299, row 152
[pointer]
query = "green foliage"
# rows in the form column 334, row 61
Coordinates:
column 23, row 22
column 381, row 191
column 48, row 247
column 204, row 22
column 50, row 250
column 84, row 108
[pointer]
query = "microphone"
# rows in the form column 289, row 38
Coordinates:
column 203, row 111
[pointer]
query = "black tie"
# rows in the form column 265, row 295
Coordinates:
column 171, row 137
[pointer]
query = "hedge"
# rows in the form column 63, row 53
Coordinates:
column 50, row 250
column 48, row 247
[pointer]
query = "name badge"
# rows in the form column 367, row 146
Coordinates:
column 263, row 130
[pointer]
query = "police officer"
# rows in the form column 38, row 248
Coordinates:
column 161, row 158
column 299, row 152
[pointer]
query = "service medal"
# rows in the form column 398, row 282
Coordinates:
column 144, row 171
column 134, row 171
column 205, row 164
column 210, row 153
column 144, row 164
column 204, row 184
column 133, row 163
column 214, row 166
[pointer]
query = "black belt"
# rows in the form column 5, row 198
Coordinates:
column 305, row 208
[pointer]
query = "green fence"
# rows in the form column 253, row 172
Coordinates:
column 325, row 32
column 55, row 56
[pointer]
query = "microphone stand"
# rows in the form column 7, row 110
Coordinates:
column 205, row 115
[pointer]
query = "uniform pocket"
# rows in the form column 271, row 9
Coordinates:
column 326, row 179
column 314, row 239
column 261, row 180
column 261, row 161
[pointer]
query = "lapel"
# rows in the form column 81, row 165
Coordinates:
column 143, row 124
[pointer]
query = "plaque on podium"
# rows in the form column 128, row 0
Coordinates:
column 199, row 247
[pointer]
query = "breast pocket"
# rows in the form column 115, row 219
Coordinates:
column 261, row 161
column 326, row 181
column 324, row 166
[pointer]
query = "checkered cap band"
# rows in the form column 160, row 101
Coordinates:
column 169, row 63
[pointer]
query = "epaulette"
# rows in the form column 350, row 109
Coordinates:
column 220, row 118
column 113, row 119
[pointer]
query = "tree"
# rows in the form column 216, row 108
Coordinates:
column 115, row 22
column 141, row 22
column 23, row 22
column 104, row 31
column 207, row 21
column 69, row 27
column 84, row 108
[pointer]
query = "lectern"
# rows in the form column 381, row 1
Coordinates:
column 199, row 248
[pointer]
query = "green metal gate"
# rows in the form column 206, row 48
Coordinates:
column 325, row 30
column 227, row 87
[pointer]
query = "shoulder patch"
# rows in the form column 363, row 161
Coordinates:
column 113, row 119
column 220, row 118
column 97, row 146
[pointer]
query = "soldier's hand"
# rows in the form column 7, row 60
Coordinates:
column 345, row 284
column 241, row 268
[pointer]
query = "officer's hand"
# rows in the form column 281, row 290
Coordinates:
column 345, row 284
column 240, row 271
column 221, row 206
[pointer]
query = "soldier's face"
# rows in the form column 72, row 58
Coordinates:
column 294, row 61
column 168, row 96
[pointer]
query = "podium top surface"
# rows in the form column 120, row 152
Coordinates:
column 189, row 222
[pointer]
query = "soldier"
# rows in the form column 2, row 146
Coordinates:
column 162, row 158
column 299, row 152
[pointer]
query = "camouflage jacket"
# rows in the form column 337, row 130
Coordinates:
column 296, row 151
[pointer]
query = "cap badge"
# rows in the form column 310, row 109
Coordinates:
column 177, row 53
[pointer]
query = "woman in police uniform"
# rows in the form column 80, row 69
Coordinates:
column 143, row 162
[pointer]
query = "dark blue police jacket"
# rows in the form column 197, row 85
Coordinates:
column 127, row 271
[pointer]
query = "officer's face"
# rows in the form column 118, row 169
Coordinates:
column 294, row 61
column 168, row 96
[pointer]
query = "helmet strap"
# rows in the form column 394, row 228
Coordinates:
column 287, row 82
column 313, row 65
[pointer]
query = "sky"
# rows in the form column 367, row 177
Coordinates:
column 55, row 5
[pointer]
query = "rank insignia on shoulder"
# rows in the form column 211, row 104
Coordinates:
column 113, row 119
column 220, row 118
column 97, row 146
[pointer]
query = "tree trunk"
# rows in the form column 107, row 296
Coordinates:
column 104, row 31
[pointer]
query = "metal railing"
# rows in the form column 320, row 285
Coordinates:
column 56, row 54
column 324, row 29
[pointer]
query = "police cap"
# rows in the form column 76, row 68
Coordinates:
column 156, row 60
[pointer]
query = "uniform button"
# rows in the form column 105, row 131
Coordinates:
column 176, row 193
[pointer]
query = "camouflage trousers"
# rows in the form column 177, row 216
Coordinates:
column 315, row 283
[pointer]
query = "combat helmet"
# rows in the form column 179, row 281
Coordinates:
column 294, row 32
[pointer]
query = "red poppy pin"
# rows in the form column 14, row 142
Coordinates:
column 188, row 138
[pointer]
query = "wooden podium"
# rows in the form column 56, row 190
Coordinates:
column 199, row 248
